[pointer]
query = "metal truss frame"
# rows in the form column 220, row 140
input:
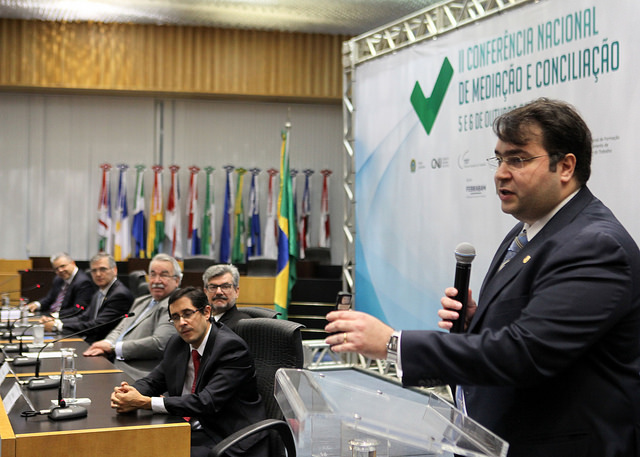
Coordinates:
column 428, row 23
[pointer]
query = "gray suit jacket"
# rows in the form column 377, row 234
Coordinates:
column 143, row 345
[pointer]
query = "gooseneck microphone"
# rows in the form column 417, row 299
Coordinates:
column 38, row 383
column 12, row 347
column 464, row 253
column 21, row 361
column 36, row 286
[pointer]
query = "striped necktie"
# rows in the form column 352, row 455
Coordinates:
column 55, row 306
column 516, row 246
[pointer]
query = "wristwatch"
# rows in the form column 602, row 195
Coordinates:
column 392, row 347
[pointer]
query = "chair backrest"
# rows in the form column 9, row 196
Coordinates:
column 138, row 283
column 261, row 266
column 274, row 343
column 257, row 311
column 318, row 254
column 198, row 263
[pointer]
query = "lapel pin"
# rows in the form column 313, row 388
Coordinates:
column 526, row 259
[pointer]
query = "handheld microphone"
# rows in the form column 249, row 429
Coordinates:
column 38, row 383
column 27, row 361
column 464, row 253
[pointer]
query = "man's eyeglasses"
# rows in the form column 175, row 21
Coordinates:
column 99, row 270
column 187, row 314
column 511, row 161
column 226, row 287
column 60, row 267
column 163, row 275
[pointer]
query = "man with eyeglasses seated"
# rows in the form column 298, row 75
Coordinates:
column 137, row 343
column 221, row 284
column 207, row 376
column 112, row 300
column 71, row 288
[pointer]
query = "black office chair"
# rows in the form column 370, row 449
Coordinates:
column 257, row 311
column 274, row 343
column 198, row 263
column 138, row 283
column 318, row 254
column 262, row 266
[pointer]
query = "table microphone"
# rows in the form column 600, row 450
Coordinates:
column 465, row 253
column 28, row 289
column 37, row 286
column 64, row 411
column 12, row 347
column 27, row 361
column 60, row 412
column 37, row 382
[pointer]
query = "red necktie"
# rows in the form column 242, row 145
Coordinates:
column 196, row 366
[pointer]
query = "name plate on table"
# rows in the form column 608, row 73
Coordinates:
column 12, row 396
column 9, row 314
column 4, row 371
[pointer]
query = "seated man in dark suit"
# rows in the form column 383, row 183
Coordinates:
column 221, row 284
column 112, row 300
column 207, row 376
column 71, row 289
column 137, row 343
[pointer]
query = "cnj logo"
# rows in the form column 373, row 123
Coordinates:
column 427, row 108
column 439, row 162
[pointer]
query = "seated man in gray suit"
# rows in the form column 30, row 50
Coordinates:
column 138, row 342
column 221, row 284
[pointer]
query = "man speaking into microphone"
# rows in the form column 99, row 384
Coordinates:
column 549, row 359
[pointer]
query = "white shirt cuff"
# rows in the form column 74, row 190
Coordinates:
column 157, row 405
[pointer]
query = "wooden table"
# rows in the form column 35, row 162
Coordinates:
column 101, row 433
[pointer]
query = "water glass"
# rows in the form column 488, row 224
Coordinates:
column 68, row 360
column 68, row 378
column 38, row 334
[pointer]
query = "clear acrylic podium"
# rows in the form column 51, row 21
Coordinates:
column 352, row 413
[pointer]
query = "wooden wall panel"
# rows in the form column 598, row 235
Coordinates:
column 196, row 61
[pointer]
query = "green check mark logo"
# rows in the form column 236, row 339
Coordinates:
column 427, row 108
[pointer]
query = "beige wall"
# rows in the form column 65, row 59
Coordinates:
column 149, row 59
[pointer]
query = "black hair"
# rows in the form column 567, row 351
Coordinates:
column 563, row 132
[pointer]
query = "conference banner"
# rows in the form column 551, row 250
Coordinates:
column 423, row 132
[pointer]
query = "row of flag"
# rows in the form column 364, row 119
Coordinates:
column 286, row 234
column 240, row 236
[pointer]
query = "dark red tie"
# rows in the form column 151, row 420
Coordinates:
column 196, row 366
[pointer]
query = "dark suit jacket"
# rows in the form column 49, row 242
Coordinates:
column 226, row 397
column 117, row 302
column 232, row 316
column 80, row 292
column 550, row 361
